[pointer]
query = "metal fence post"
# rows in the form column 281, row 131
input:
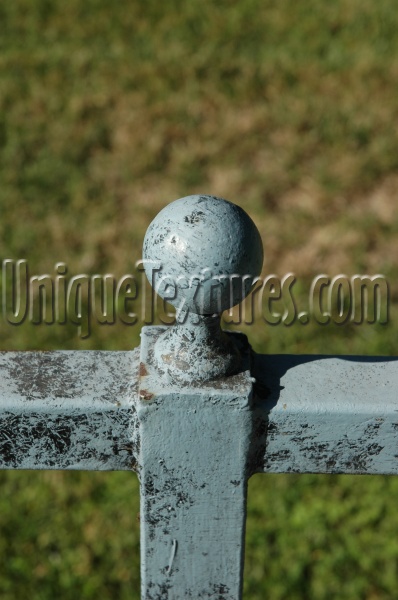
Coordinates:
column 194, row 411
column 194, row 404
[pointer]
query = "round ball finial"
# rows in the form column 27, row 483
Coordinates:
column 209, row 251
column 202, row 254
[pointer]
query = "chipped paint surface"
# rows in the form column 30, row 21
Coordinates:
column 68, row 410
column 195, row 447
column 201, row 276
column 186, row 413
column 198, row 351
column 194, row 241
column 327, row 414
column 193, row 470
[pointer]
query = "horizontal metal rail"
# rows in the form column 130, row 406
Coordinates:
column 195, row 412
column 68, row 410
column 329, row 414
column 315, row 414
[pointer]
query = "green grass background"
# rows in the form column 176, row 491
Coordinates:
column 110, row 111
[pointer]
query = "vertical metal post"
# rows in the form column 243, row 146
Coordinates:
column 195, row 405
column 193, row 474
column 182, row 412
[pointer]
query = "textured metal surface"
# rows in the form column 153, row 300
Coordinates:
column 68, row 410
column 193, row 436
column 315, row 414
column 197, row 351
column 198, row 241
column 193, row 469
column 328, row 414
column 202, row 254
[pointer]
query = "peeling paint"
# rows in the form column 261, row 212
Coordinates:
column 193, row 469
column 195, row 447
column 142, row 370
column 326, row 414
column 68, row 410
column 184, row 241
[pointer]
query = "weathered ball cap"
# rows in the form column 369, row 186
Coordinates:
column 208, row 252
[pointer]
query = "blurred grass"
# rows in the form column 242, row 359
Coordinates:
column 107, row 113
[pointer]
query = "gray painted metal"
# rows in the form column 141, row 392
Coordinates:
column 195, row 412
column 195, row 403
column 202, row 254
column 196, row 242
column 312, row 414
column 68, row 410
column 328, row 414
column 194, row 464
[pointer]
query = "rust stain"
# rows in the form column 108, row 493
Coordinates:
column 145, row 395
column 169, row 359
column 142, row 370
